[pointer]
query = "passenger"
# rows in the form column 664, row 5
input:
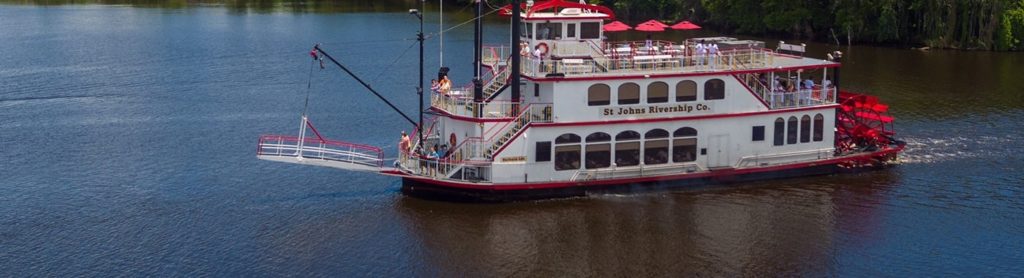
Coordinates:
column 432, row 161
column 713, row 54
column 524, row 49
column 538, row 57
column 403, row 147
column 445, row 85
column 699, row 50
column 649, row 44
column 435, row 86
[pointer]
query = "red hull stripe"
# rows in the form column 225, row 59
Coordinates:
column 528, row 186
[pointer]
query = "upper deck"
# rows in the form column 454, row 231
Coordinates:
column 641, row 59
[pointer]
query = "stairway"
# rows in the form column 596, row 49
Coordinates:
column 530, row 114
column 498, row 83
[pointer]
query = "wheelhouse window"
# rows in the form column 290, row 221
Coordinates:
column 714, row 89
column 684, row 145
column 656, row 147
column 590, row 30
column 627, row 148
column 527, row 30
column 599, row 94
column 567, row 152
column 780, row 130
column 805, row 129
column 549, row 31
column 791, row 130
column 598, row 151
column 570, row 30
column 657, row 92
column 819, row 127
column 686, row 90
column 629, row 93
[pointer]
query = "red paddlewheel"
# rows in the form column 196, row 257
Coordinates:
column 862, row 122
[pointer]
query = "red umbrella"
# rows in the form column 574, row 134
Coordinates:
column 647, row 27
column 656, row 23
column 616, row 26
column 685, row 25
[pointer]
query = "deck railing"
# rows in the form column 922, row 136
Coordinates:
column 446, row 169
column 460, row 103
column 614, row 64
column 314, row 148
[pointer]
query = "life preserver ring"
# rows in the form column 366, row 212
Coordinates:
column 543, row 48
column 452, row 140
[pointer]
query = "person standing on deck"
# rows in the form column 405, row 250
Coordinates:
column 403, row 147
column 713, row 51
column 445, row 85
column 537, row 56
column 699, row 50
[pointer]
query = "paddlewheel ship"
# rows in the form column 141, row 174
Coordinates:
column 588, row 115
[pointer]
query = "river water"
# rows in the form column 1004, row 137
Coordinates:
column 127, row 138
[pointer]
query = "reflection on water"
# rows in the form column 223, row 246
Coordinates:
column 244, row 6
column 790, row 229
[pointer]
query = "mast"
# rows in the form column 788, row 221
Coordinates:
column 419, row 90
column 478, row 41
column 515, row 67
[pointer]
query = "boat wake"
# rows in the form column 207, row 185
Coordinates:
column 936, row 150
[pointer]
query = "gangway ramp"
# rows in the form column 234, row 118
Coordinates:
column 320, row 152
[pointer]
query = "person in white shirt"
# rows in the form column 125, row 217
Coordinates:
column 537, row 56
column 700, row 52
column 713, row 50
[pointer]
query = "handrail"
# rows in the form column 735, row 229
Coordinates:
column 823, row 151
column 316, row 148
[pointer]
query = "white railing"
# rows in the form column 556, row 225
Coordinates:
column 648, row 64
column 459, row 102
column 785, row 158
column 313, row 148
column 800, row 98
column 445, row 169
column 636, row 171
column 476, row 148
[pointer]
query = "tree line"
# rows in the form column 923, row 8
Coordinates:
column 960, row 24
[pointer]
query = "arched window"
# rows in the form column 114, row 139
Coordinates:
column 791, row 130
column 684, row 145
column 629, row 93
column 780, row 130
column 599, row 94
column 819, row 127
column 567, row 152
column 598, row 151
column 686, row 90
column 805, row 129
column 656, row 147
column 657, row 92
column 627, row 148
column 714, row 89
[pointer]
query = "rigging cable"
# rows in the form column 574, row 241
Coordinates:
column 309, row 82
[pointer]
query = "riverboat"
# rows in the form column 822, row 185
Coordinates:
column 569, row 113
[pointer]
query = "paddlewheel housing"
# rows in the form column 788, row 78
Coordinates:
column 863, row 125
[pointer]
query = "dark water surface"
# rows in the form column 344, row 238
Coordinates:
column 127, row 140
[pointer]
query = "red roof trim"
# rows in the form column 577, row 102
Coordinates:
column 642, row 76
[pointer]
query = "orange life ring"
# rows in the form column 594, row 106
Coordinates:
column 544, row 48
column 452, row 140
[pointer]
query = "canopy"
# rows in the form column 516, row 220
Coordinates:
column 685, row 25
column 649, row 27
column 616, row 26
column 555, row 5
column 655, row 23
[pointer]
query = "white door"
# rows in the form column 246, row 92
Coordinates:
column 718, row 151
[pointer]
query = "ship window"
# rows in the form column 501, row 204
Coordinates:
column 567, row 138
column 780, row 126
column 714, row 89
column 819, row 126
column 686, row 90
column 758, row 133
column 598, row 153
column 805, row 129
column 656, row 147
column 567, row 152
column 570, row 30
column 684, row 145
column 791, row 130
column 590, row 30
column 599, row 94
column 526, row 30
column 627, row 148
column 629, row 93
column 657, row 92
column 549, row 31
column 543, row 151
